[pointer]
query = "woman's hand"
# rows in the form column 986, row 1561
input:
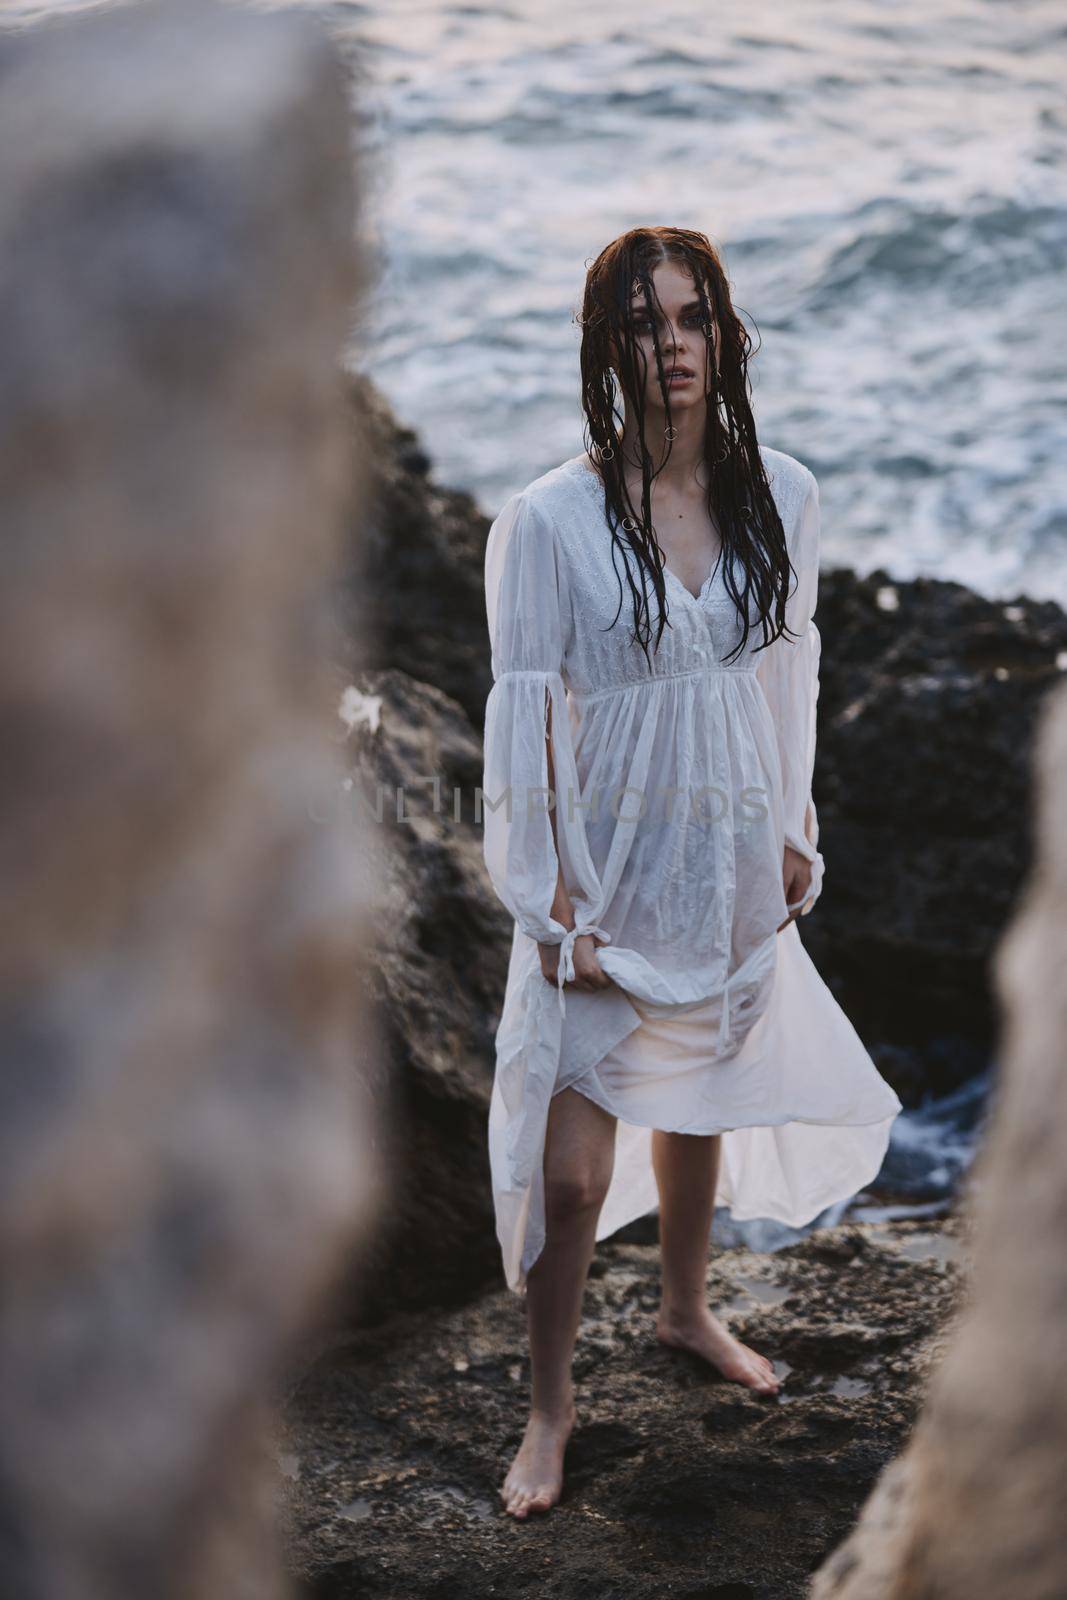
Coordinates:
column 796, row 881
column 589, row 975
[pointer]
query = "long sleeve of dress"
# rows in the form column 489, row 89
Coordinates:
column 789, row 674
column 528, row 610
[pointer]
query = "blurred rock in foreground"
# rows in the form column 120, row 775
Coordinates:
column 183, row 1157
column 974, row 1510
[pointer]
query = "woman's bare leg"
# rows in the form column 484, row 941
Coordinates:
column 687, row 1173
column 579, row 1158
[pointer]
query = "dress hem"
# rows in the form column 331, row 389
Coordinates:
column 739, row 1211
column 733, row 1127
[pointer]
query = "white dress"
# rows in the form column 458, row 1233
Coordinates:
column 675, row 794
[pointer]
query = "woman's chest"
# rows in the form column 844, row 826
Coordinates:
column 687, row 534
column 613, row 603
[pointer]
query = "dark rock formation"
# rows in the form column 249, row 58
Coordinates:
column 436, row 975
column 923, row 781
column 417, row 566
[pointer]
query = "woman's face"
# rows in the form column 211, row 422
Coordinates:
column 683, row 344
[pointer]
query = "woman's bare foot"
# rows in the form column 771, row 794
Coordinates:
column 703, row 1334
column 535, row 1480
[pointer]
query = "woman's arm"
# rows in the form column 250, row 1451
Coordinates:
column 536, row 851
column 562, row 908
column 588, row 973
column 788, row 670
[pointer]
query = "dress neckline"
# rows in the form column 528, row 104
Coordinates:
column 593, row 478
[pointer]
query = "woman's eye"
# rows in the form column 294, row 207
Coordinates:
column 642, row 324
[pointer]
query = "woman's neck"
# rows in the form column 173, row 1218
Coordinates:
column 680, row 461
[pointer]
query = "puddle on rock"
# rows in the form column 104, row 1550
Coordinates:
column 768, row 1294
column 848, row 1388
column 448, row 1499
column 930, row 1246
column 814, row 1385
column 356, row 1511
column 756, row 1290
column 782, row 1369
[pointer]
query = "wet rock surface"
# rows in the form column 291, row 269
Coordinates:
column 395, row 1440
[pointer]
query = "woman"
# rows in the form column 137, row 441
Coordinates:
column 665, row 1039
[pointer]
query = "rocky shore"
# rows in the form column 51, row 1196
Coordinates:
column 251, row 1046
column 678, row 1482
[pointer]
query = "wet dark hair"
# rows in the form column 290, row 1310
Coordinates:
column 739, row 495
